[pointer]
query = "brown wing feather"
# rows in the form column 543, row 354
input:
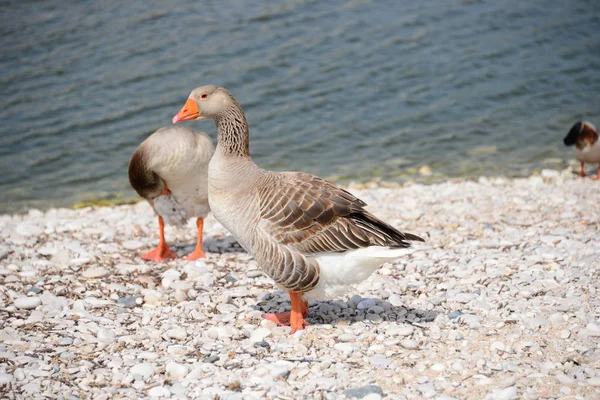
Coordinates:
column 312, row 215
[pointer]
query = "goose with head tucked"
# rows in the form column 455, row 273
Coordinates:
column 313, row 238
column 170, row 170
column 584, row 136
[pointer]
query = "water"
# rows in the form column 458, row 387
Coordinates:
column 349, row 90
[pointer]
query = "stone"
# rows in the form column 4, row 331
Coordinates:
column 281, row 369
column 564, row 379
column 379, row 360
column 129, row 302
column 159, row 391
column 5, row 379
column 345, row 348
column 133, row 244
column 592, row 329
column 94, row 272
column 27, row 303
column 366, row 304
column 255, row 273
column 361, row 392
column 27, row 229
column 177, row 333
column 175, row 370
column 595, row 381
column 509, row 393
column 409, row 344
column 454, row 314
column 260, row 334
column 401, row 330
column 144, row 370
column 372, row 396
column 437, row 367
column 211, row 359
column 262, row 343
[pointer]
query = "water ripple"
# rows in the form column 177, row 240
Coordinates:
column 344, row 89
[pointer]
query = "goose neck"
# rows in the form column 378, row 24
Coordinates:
column 232, row 128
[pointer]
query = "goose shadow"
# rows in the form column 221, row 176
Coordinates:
column 220, row 244
column 353, row 310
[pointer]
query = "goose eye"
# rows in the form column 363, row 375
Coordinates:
column 203, row 96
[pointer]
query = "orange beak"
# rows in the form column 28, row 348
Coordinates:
column 188, row 112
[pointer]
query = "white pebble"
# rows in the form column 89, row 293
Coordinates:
column 508, row 393
column 177, row 333
column 94, row 272
column 401, row 330
column 133, row 244
column 594, row 381
column 27, row 303
column 106, row 335
column 409, row 344
column 438, row 367
column 346, row 348
column 592, row 329
column 499, row 346
column 5, row 379
column 145, row 370
column 26, row 229
column 372, row 396
column 175, row 370
column 152, row 297
column 564, row 379
column 255, row 273
column 456, row 366
column 159, row 391
column 180, row 296
column 259, row 334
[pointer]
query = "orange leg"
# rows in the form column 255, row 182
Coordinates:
column 582, row 172
column 597, row 176
column 162, row 251
column 198, row 252
column 295, row 318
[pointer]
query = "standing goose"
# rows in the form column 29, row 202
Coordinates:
column 311, row 237
column 587, row 146
column 169, row 169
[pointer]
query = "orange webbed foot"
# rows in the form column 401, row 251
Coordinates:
column 295, row 318
column 195, row 255
column 296, row 321
column 159, row 254
column 282, row 319
column 198, row 251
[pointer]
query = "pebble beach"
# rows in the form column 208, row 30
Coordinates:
column 501, row 302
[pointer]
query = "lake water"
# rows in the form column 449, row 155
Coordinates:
column 348, row 90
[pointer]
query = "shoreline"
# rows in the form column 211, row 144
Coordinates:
column 501, row 302
column 423, row 177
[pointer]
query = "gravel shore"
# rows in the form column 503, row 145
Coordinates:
column 501, row 302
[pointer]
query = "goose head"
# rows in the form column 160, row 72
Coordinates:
column 205, row 102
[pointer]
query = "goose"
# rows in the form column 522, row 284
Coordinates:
column 169, row 169
column 587, row 146
column 313, row 238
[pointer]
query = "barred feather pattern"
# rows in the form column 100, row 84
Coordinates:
column 304, row 215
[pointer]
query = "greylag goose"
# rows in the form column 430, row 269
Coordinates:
column 313, row 238
column 587, row 146
column 169, row 169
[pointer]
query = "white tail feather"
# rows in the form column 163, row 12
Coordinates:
column 341, row 271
